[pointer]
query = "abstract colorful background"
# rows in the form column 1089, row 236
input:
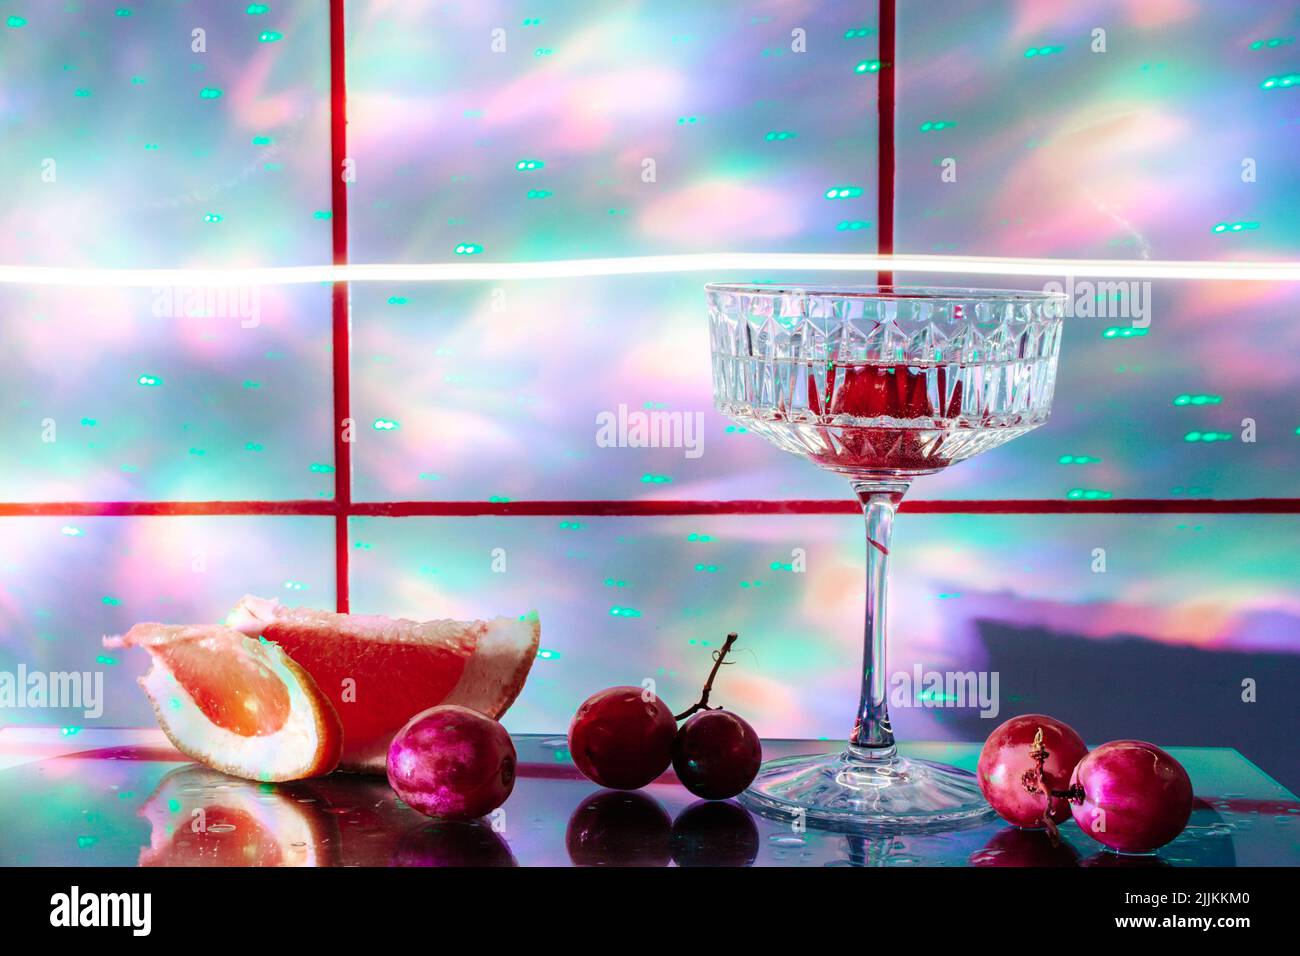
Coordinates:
column 165, row 156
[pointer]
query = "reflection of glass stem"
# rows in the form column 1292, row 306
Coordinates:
column 872, row 737
column 871, row 851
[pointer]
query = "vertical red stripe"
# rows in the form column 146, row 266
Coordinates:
column 885, row 161
column 341, row 319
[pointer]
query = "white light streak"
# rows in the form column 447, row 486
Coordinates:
column 716, row 263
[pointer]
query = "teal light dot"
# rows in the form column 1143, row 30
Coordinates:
column 269, row 36
column 262, row 140
column 209, row 93
column 468, row 249
column 321, row 468
column 385, row 425
column 14, row 23
column 538, row 193
column 106, row 660
column 322, row 214
column 257, row 9
column 213, row 217
column 867, row 66
column 122, row 12
column 528, row 165
column 150, row 381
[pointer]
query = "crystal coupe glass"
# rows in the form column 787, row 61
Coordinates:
column 881, row 385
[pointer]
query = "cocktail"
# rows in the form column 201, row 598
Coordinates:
column 881, row 385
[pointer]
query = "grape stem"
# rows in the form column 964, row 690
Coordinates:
column 703, row 702
column 1034, row 782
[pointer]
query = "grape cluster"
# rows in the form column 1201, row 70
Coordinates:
column 1127, row 794
column 625, row 737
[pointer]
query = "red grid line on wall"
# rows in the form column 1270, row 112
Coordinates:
column 341, row 322
column 885, row 53
column 341, row 507
column 613, row 508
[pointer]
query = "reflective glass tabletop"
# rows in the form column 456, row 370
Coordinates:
column 125, row 798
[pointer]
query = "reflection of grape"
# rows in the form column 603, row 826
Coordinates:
column 452, row 843
column 716, row 754
column 714, row 833
column 1016, row 847
column 620, row 740
column 618, row 828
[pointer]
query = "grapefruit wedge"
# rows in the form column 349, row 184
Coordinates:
column 235, row 703
column 379, row 672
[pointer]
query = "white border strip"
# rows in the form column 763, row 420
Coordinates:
column 722, row 262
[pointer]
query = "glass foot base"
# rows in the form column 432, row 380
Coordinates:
column 854, row 793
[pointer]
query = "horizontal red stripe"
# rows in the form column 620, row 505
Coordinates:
column 133, row 508
column 806, row 506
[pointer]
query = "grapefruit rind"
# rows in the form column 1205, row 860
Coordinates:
column 309, row 742
column 495, row 675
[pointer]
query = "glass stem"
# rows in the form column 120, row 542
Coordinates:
column 872, row 737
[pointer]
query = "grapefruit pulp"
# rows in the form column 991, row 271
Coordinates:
column 235, row 703
column 379, row 672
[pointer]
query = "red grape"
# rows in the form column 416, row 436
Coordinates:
column 716, row 754
column 1008, row 755
column 1135, row 797
column 621, row 740
column 452, row 762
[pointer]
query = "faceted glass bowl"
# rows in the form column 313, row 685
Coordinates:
column 807, row 369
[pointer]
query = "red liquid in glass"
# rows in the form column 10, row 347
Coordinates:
column 888, row 391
